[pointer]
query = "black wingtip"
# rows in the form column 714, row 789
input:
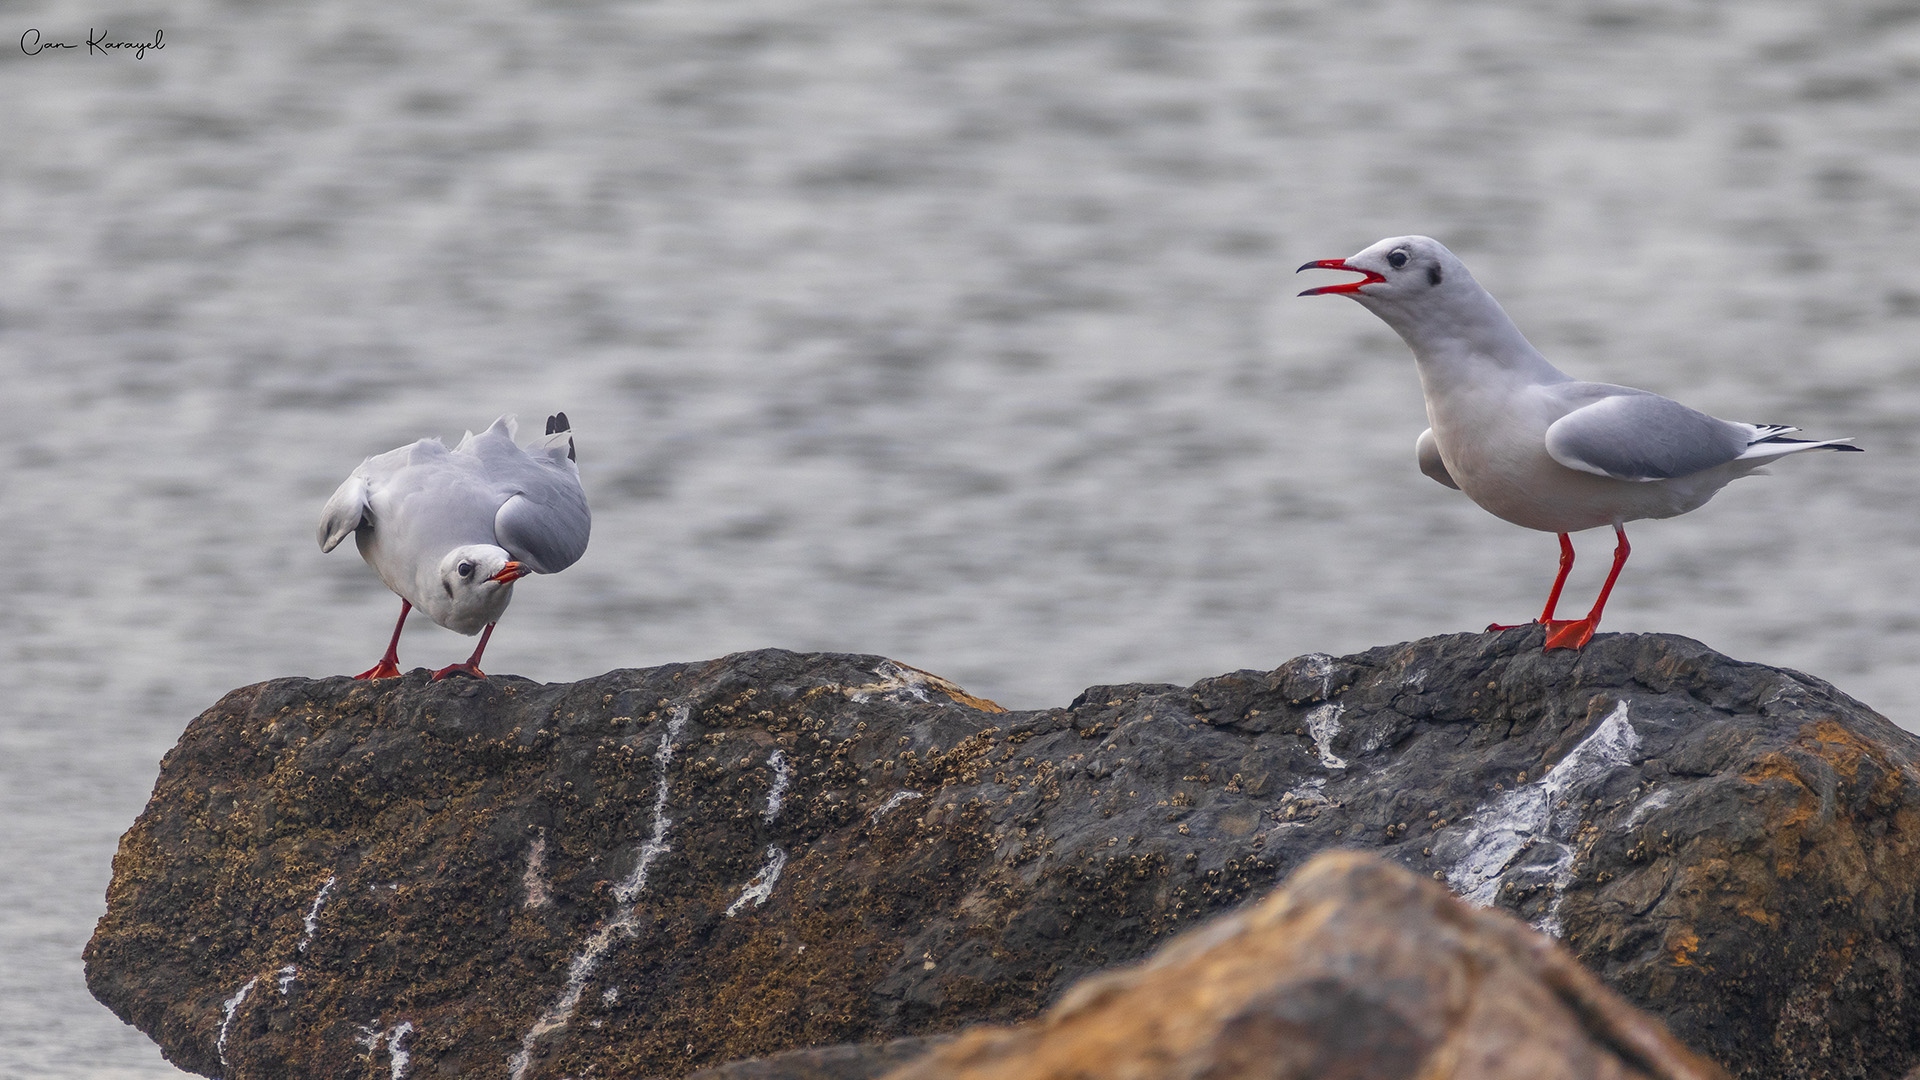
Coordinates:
column 1779, row 439
column 558, row 423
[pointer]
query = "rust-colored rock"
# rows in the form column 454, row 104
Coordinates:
column 1356, row 969
column 657, row 871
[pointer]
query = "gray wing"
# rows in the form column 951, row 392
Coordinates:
column 543, row 519
column 351, row 504
column 344, row 511
column 1426, row 451
column 546, row 528
column 1632, row 435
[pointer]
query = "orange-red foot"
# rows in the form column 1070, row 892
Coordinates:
column 1494, row 628
column 1569, row 633
column 385, row 669
column 459, row 669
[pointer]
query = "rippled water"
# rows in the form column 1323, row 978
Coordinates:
column 961, row 332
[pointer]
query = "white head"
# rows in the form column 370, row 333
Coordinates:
column 476, row 581
column 1422, row 290
column 1400, row 270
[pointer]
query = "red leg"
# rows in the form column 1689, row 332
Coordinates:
column 472, row 666
column 389, row 665
column 1553, row 598
column 1566, row 567
column 1575, row 633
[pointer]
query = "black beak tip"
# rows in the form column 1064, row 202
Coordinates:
column 1308, row 265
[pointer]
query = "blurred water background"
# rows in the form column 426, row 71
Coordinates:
column 960, row 331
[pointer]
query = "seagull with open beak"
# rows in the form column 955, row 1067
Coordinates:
column 1528, row 442
column 450, row 531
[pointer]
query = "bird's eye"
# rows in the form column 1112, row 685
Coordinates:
column 1397, row 259
column 466, row 569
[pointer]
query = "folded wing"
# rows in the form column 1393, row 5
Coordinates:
column 1426, row 451
column 343, row 512
column 546, row 530
column 1634, row 435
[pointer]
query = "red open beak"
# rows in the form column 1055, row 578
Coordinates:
column 510, row 573
column 1345, row 287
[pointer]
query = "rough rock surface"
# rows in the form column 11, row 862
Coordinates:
column 662, row 870
column 855, row 1061
column 1357, row 968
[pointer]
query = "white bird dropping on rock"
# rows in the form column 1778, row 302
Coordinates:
column 450, row 531
column 1528, row 442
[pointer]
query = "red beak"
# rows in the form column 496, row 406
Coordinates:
column 1345, row 287
column 510, row 573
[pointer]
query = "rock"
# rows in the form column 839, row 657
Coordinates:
column 1357, row 968
column 865, row 1061
column 658, row 871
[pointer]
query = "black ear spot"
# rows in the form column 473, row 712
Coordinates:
column 1433, row 275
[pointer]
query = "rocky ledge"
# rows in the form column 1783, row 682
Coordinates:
column 658, row 871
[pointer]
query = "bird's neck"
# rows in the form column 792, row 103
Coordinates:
column 1467, row 343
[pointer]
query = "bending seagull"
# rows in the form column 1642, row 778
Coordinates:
column 1531, row 444
column 452, row 530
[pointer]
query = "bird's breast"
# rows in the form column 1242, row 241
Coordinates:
column 1500, row 460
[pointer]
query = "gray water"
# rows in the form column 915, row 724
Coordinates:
column 961, row 332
